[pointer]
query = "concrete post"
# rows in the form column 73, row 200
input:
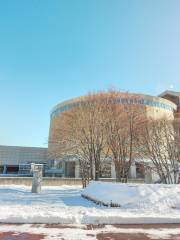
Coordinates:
column 5, row 169
column 37, row 177
column 148, row 175
column 132, row 171
column 64, row 168
column 94, row 172
column 77, row 170
column 113, row 171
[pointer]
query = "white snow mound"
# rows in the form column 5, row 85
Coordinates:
column 135, row 195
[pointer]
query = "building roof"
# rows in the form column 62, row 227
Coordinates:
column 17, row 154
column 23, row 147
column 172, row 93
column 146, row 100
column 173, row 97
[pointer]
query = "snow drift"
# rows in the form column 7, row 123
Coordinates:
column 139, row 204
column 135, row 195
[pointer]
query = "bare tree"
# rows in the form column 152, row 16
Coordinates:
column 159, row 144
column 80, row 132
column 124, row 121
column 101, row 125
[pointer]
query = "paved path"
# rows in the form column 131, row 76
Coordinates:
column 88, row 232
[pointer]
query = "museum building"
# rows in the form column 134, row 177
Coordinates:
column 167, row 105
column 16, row 161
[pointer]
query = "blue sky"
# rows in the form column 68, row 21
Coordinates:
column 53, row 50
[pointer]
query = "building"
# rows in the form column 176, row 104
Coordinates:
column 175, row 98
column 155, row 107
column 17, row 160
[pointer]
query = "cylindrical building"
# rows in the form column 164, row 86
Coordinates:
column 155, row 107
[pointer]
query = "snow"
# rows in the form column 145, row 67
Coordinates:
column 77, row 232
column 139, row 204
column 130, row 196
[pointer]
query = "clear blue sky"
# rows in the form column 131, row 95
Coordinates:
column 52, row 50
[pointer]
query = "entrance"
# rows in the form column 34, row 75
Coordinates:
column 12, row 169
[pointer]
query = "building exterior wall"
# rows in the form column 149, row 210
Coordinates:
column 155, row 108
column 11, row 157
column 20, row 155
column 17, row 160
column 175, row 98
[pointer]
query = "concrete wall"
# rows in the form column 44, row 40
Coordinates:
column 27, row 181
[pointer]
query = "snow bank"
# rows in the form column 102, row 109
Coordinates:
column 135, row 195
column 64, row 204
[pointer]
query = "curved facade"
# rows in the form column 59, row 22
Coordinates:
column 155, row 107
column 158, row 104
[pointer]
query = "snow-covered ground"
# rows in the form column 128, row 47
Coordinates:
column 80, row 232
column 139, row 204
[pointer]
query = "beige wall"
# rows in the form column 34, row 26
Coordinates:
column 157, row 113
column 47, row 181
column 27, row 181
column 154, row 112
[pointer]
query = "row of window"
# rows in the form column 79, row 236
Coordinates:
column 118, row 100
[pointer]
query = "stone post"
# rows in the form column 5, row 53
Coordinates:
column 64, row 168
column 37, row 177
column 77, row 170
column 148, row 175
column 132, row 171
column 113, row 171
column 5, row 169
